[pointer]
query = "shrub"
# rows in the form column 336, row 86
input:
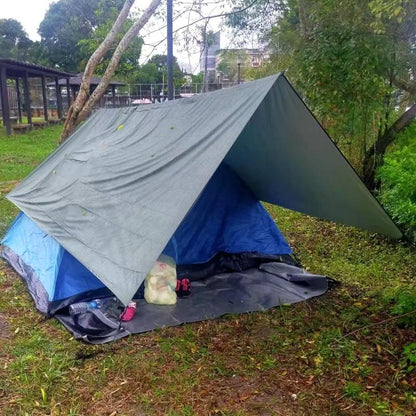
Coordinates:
column 405, row 303
column 398, row 181
column 408, row 361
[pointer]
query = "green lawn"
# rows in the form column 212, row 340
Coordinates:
column 19, row 155
column 342, row 354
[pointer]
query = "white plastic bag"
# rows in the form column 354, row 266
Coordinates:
column 160, row 283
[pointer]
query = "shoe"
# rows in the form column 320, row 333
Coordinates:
column 183, row 288
column 186, row 287
column 129, row 312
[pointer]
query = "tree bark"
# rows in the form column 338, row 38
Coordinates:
column 303, row 19
column 83, row 104
column 407, row 86
column 374, row 156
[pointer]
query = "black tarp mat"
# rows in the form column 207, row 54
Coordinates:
column 256, row 289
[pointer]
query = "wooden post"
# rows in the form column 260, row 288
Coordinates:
column 5, row 100
column 58, row 98
column 45, row 100
column 19, row 101
column 113, row 93
column 68, row 93
column 26, row 93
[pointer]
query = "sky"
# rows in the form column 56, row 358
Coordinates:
column 31, row 12
column 28, row 12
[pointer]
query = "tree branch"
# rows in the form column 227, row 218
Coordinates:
column 373, row 156
column 83, row 93
column 409, row 87
column 115, row 59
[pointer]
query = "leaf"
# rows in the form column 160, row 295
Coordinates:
column 44, row 396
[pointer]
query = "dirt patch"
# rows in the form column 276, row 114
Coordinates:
column 7, row 186
column 4, row 328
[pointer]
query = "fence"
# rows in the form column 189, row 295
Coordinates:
column 126, row 96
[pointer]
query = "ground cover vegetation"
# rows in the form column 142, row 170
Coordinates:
column 350, row 352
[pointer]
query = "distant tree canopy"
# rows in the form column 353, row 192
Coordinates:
column 155, row 71
column 67, row 23
column 228, row 64
column 14, row 42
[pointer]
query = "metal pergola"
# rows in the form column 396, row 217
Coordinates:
column 22, row 71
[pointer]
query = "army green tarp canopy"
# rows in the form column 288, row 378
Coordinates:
column 115, row 192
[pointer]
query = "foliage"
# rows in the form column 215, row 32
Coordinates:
column 155, row 72
column 148, row 73
column 14, row 42
column 66, row 23
column 347, row 59
column 408, row 361
column 256, row 16
column 398, row 181
column 405, row 303
column 128, row 65
column 228, row 64
column 161, row 63
column 198, row 78
column 352, row 389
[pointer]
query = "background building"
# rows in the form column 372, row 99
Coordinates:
column 210, row 45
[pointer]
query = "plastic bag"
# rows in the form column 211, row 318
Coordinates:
column 160, row 282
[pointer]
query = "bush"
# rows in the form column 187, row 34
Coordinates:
column 405, row 303
column 398, row 181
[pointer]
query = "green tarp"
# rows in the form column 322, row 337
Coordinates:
column 114, row 193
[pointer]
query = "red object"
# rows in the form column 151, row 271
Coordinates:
column 129, row 312
column 183, row 288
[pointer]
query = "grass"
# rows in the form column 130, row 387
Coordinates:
column 341, row 354
column 19, row 155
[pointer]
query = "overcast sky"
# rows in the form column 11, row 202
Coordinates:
column 28, row 12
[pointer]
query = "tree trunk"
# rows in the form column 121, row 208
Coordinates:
column 303, row 10
column 374, row 156
column 84, row 103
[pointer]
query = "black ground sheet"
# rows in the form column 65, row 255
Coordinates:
column 255, row 289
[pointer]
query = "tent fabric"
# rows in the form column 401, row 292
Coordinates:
column 226, row 218
column 135, row 173
column 283, row 140
column 54, row 273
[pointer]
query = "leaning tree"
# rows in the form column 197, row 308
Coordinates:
column 84, row 101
